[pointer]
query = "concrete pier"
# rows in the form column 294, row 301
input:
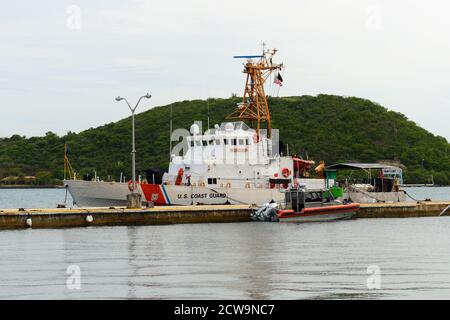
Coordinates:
column 66, row 218
column 403, row 209
column 84, row 217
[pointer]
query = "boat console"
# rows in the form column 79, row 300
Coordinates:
column 297, row 198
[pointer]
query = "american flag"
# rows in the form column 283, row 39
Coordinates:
column 278, row 80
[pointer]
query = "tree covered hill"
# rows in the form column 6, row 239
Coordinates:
column 323, row 127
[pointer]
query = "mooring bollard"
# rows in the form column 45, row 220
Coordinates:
column 134, row 201
column 149, row 204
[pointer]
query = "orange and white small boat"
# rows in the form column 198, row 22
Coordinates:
column 307, row 206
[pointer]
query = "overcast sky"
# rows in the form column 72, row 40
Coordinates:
column 63, row 62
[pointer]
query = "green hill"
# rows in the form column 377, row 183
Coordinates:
column 327, row 127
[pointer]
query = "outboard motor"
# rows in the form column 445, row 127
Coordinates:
column 267, row 212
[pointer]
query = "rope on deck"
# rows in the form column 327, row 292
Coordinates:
column 411, row 196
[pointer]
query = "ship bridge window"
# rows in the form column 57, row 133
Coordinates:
column 205, row 143
column 226, row 141
column 212, row 180
column 198, row 143
column 241, row 142
column 247, row 142
column 233, row 142
column 192, row 143
column 211, row 142
column 217, row 142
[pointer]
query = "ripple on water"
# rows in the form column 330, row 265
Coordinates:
column 231, row 261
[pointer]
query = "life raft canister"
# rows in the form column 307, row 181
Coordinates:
column 179, row 177
column 285, row 172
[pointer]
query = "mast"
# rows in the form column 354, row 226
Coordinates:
column 68, row 170
column 65, row 157
column 254, row 107
column 170, row 134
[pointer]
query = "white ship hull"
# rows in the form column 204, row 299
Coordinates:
column 374, row 197
column 97, row 194
column 105, row 194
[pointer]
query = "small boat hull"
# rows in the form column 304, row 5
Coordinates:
column 318, row 214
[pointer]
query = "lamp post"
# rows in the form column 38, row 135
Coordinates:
column 133, row 147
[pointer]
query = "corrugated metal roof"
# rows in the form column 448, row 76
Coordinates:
column 362, row 166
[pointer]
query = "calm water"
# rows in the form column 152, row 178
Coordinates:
column 228, row 261
column 33, row 198
column 434, row 193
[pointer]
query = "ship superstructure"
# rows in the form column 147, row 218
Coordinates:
column 230, row 155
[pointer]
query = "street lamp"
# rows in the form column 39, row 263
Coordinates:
column 133, row 148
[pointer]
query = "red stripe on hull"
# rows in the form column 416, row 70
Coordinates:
column 308, row 212
column 154, row 193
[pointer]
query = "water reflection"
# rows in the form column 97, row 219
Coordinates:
column 132, row 256
column 231, row 261
column 256, row 274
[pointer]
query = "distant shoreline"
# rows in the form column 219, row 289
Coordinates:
column 32, row 187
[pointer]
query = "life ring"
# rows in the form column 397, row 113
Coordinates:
column 130, row 185
column 256, row 138
column 285, row 172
